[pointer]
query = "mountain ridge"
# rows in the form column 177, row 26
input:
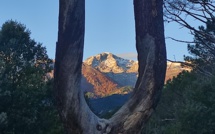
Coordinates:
column 107, row 62
column 123, row 71
column 105, row 74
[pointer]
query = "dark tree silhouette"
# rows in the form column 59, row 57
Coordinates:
column 180, row 11
column 131, row 117
column 202, row 48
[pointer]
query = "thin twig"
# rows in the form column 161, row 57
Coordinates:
column 180, row 40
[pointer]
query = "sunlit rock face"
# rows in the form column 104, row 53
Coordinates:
column 96, row 82
column 173, row 69
column 106, row 74
column 108, row 62
column 122, row 71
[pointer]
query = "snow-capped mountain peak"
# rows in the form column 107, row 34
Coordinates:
column 108, row 62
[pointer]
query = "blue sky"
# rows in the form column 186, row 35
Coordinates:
column 109, row 26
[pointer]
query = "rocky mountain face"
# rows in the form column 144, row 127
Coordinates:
column 109, row 63
column 96, row 82
column 122, row 71
column 106, row 74
column 117, row 71
column 173, row 69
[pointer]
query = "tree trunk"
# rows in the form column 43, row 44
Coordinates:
column 74, row 112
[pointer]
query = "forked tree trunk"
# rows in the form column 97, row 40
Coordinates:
column 74, row 112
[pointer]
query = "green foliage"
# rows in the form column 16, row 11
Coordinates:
column 187, row 103
column 203, row 51
column 126, row 89
column 186, row 106
column 26, row 103
column 88, row 95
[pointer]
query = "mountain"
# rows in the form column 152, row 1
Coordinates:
column 173, row 69
column 96, row 82
column 122, row 71
column 109, row 63
column 106, row 74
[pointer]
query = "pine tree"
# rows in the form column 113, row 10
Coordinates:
column 26, row 104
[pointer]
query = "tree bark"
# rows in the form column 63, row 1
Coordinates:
column 74, row 112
